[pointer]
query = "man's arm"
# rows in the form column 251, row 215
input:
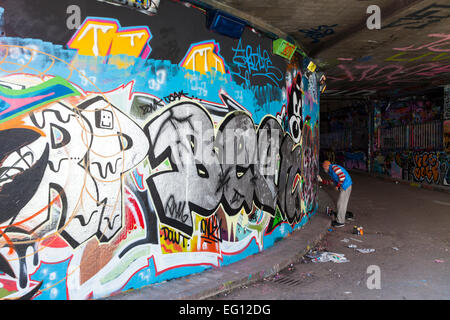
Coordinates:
column 324, row 181
column 340, row 174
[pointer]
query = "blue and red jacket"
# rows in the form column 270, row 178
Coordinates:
column 340, row 176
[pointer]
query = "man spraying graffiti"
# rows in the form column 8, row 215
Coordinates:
column 343, row 182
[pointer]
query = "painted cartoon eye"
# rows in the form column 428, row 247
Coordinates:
column 294, row 126
column 202, row 171
column 241, row 170
column 297, row 103
column 294, row 102
column 192, row 142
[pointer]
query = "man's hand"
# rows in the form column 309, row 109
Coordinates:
column 337, row 188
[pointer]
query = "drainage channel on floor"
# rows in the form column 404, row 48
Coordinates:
column 290, row 281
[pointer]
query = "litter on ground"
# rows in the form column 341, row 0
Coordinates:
column 365, row 250
column 328, row 256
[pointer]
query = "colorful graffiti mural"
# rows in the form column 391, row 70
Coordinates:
column 204, row 58
column 101, row 37
column 115, row 175
column 420, row 167
column 426, row 167
column 409, row 140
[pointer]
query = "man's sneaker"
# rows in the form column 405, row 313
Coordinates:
column 337, row 224
column 348, row 215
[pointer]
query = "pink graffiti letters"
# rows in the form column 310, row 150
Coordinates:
column 435, row 46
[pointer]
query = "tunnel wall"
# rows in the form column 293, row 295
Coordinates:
column 407, row 138
column 410, row 141
column 114, row 126
column 345, row 135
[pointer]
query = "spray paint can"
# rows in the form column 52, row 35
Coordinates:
column 358, row 230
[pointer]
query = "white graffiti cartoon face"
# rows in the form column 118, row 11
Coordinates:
column 104, row 119
column 294, row 109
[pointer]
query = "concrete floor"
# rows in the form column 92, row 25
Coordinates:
column 408, row 227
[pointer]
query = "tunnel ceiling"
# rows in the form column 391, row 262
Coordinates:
column 409, row 54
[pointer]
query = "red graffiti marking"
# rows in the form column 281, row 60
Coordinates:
column 435, row 46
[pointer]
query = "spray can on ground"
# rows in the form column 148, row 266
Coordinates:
column 358, row 230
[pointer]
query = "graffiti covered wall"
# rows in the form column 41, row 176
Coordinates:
column 424, row 167
column 344, row 137
column 137, row 148
column 409, row 140
column 405, row 138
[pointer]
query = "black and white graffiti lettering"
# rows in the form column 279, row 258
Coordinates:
column 234, row 167
column 295, row 109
